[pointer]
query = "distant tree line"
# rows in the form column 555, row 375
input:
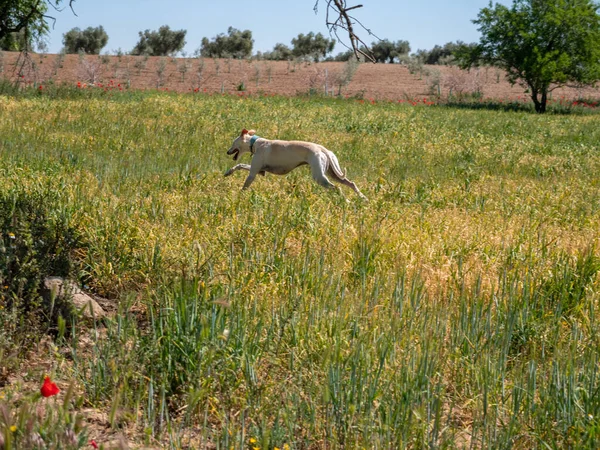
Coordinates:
column 238, row 44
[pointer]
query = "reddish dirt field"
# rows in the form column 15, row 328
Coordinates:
column 371, row 81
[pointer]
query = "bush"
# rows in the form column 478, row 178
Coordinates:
column 35, row 243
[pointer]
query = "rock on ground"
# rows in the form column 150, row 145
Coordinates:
column 86, row 305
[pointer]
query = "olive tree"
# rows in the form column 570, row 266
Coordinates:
column 163, row 42
column 90, row 41
column 234, row 44
column 312, row 45
column 387, row 51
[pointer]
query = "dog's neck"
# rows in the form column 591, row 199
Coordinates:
column 253, row 140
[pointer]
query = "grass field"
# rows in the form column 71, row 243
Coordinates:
column 456, row 308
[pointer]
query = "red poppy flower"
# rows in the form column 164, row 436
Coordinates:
column 49, row 388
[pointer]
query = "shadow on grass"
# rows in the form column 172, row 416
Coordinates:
column 559, row 108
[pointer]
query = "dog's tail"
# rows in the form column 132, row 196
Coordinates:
column 334, row 165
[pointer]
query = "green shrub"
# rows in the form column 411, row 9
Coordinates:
column 35, row 243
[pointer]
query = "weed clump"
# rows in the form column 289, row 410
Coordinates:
column 35, row 242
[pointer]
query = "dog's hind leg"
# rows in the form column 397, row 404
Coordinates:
column 346, row 182
column 318, row 167
column 351, row 184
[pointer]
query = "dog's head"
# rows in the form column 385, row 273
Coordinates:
column 241, row 144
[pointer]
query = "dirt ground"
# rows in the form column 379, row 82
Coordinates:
column 371, row 81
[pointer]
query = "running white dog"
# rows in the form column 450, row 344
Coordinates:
column 281, row 157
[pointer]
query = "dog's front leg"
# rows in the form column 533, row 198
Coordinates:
column 240, row 167
column 237, row 167
column 255, row 169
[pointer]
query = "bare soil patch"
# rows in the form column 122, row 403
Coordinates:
column 371, row 81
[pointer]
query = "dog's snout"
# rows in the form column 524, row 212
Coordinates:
column 235, row 152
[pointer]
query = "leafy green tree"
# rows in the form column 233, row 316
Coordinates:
column 90, row 41
column 541, row 44
column 16, row 15
column 27, row 18
column 443, row 55
column 280, row 52
column 16, row 42
column 234, row 44
column 312, row 45
column 387, row 51
column 163, row 42
column 343, row 56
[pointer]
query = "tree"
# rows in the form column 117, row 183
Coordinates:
column 163, row 42
column 234, row 44
column 312, row 45
column 443, row 55
column 90, row 41
column 16, row 42
column 280, row 52
column 541, row 44
column 387, row 51
column 28, row 15
column 342, row 56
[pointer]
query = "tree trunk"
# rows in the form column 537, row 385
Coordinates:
column 543, row 102
column 540, row 103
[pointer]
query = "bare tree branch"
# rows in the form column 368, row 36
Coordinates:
column 56, row 8
column 62, row 9
column 338, row 10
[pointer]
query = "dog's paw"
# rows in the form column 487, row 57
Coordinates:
column 229, row 172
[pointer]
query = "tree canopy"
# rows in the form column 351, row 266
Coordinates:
column 280, row 52
column 16, row 42
column 442, row 55
column 542, row 44
column 312, row 45
column 234, row 44
column 25, row 21
column 163, row 42
column 387, row 51
column 90, row 41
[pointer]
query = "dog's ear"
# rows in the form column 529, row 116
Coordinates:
column 244, row 131
column 251, row 132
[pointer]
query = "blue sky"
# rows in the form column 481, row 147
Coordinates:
column 422, row 23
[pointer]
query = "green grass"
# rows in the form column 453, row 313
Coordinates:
column 456, row 308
